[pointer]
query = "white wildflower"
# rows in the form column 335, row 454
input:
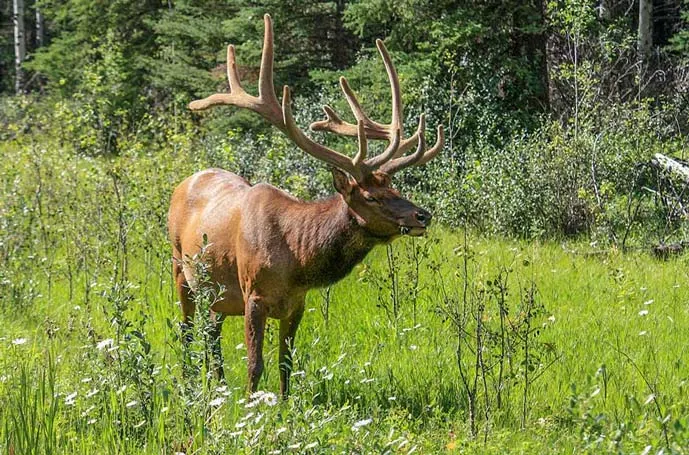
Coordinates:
column 131, row 404
column 413, row 347
column 91, row 393
column 642, row 333
column 70, row 399
column 19, row 341
column 646, row 450
column 643, row 312
column 106, row 343
column 140, row 424
column 311, row 446
column 217, row 402
column 648, row 302
column 361, row 423
column 239, row 346
column 270, row 399
column 260, row 396
column 91, row 421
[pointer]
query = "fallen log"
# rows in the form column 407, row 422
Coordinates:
column 671, row 165
column 665, row 251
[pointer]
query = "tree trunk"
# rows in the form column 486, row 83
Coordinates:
column 605, row 10
column 40, row 31
column 645, row 37
column 19, row 45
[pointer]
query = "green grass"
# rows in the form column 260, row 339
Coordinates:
column 359, row 366
column 91, row 361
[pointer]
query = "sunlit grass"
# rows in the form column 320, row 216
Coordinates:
column 363, row 383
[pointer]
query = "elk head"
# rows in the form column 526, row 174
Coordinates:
column 364, row 182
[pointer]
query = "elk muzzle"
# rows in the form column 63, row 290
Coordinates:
column 421, row 220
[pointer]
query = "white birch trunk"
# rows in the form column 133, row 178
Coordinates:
column 645, row 38
column 19, row 45
column 40, row 31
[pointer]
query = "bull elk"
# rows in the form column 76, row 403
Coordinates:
column 266, row 248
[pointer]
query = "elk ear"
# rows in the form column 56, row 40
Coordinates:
column 343, row 183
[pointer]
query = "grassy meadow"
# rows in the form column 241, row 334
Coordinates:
column 454, row 343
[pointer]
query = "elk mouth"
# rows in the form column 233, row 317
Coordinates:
column 414, row 231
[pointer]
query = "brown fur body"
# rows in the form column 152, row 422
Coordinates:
column 262, row 239
column 265, row 248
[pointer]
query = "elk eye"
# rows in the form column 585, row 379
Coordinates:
column 370, row 198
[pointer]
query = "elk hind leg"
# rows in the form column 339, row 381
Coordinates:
column 254, row 330
column 288, row 330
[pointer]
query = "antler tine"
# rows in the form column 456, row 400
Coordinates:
column 433, row 151
column 266, row 89
column 266, row 104
column 375, row 130
column 390, row 152
column 233, row 72
column 363, row 145
column 398, row 164
column 420, row 156
column 394, row 86
column 358, row 171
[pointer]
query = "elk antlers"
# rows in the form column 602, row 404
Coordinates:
column 266, row 104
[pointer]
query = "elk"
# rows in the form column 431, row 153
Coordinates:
column 267, row 248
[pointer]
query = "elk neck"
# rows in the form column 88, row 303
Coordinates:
column 327, row 240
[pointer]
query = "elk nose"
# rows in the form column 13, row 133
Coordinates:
column 423, row 217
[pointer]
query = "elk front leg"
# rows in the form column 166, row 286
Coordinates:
column 254, row 329
column 288, row 329
column 216, row 362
